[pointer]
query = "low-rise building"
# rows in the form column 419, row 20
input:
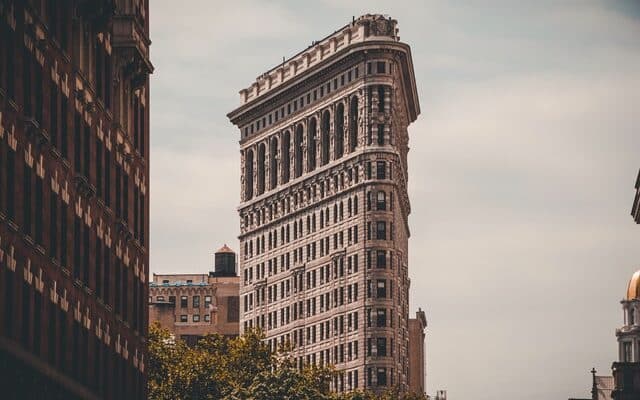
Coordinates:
column 193, row 305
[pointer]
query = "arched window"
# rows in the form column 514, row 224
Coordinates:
column 632, row 319
column 325, row 137
column 339, row 131
column 273, row 163
column 297, row 147
column 353, row 124
column 311, row 145
column 286, row 156
column 261, row 159
column 248, row 175
column 349, row 207
column 355, row 205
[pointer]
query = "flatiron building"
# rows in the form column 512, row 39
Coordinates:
column 324, row 205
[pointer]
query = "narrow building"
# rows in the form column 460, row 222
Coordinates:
column 417, row 368
column 324, row 205
column 191, row 306
column 74, row 203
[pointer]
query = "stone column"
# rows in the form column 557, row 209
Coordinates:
column 267, row 164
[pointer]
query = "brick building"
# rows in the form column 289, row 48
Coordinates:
column 417, row 370
column 74, row 219
column 324, row 204
column 193, row 305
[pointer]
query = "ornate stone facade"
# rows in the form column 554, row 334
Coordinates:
column 324, row 205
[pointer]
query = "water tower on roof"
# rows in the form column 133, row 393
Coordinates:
column 225, row 262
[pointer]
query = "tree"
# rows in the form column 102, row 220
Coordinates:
column 232, row 369
column 242, row 368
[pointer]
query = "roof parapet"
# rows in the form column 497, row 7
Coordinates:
column 364, row 28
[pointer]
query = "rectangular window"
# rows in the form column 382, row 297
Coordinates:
column 184, row 302
column 381, row 377
column 381, row 258
column 207, row 318
column 53, row 226
column 86, row 141
column 196, row 301
column 183, row 318
column 381, row 291
column 39, row 211
column 196, row 318
column 381, row 230
column 77, row 254
column 381, row 347
column 207, row 301
column 107, row 273
column 27, row 206
column 77, row 143
column 381, row 317
column 381, row 67
column 381, row 201
column 380, row 170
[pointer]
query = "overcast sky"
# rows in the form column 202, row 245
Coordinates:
column 521, row 169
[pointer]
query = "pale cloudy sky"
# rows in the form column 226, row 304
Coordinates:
column 522, row 168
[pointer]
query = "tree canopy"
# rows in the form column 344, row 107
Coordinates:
column 241, row 368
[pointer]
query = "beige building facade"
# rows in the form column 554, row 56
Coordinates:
column 193, row 305
column 324, row 205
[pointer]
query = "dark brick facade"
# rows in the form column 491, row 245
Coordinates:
column 74, row 204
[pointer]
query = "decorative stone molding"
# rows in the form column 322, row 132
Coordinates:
column 87, row 216
column 28, row 275
column 64, row 303
column 12, row 140
column 55, row 186
column 28, row 157
column 118, row 346
column 106, row 336
column 53, row 293
column 39, row 282
column 65, row 193
column 86, row 321
column 77, row 314
column 98, row 330
column 107, row 237
column 78, row 208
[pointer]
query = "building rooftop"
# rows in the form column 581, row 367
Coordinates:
column 378, row 26
column 225, row 249
column 177, row 283
column 633, row 289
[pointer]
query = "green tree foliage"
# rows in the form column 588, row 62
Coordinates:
column 242, row 368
